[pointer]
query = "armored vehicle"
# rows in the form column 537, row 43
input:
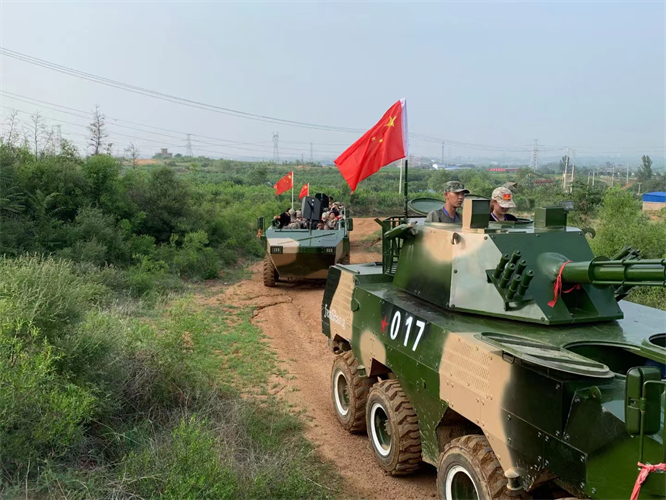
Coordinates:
column 498, row 353
column 304, row 254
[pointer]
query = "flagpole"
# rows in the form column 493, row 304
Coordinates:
column 292, row 189
column 402, row 168
column 404, row 179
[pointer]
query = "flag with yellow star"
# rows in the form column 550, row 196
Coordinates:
column 384, row 143
column 284, row 184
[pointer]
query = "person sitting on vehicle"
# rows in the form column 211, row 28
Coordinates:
column 301, row 221
column 295, row 222
column 335, row 208
column 500, row 203
column 332, row 221
column 454, row 195
column 283, row 219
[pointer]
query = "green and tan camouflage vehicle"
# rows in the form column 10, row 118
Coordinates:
column 498, row 353
column 304, row 254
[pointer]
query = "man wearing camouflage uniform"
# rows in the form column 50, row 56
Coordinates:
column 454, row 195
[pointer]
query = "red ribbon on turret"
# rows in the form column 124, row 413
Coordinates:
column 557, row 288
column 642, row 476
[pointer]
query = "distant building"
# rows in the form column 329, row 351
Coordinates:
column 164, row 153
column 654, row 201
column 502, row 169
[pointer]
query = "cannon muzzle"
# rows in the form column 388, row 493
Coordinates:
column 603, row 272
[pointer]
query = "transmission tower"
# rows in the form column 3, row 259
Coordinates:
column 535, row 155
column 443, row 146
column 311, row 154
column 188, row 146
column 276, row 151
column 57, row 137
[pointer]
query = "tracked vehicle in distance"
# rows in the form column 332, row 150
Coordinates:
column 498, row 353
column 304, row 254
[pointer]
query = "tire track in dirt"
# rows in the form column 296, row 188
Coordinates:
column 290, row 316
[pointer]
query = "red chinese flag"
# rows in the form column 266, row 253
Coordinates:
column 304, row 190
column 384, row 143
column 284, row 184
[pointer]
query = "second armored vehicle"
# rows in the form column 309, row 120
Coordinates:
column 498, row 353
column 305, row 254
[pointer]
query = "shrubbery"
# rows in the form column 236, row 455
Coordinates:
column 89, row 211
column 94, row 404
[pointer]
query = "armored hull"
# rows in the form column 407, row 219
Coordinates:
column 305, row 254
column 536, row 392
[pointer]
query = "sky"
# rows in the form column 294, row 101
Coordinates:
column 587, row 75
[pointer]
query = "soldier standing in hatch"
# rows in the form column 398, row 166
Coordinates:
column 500, row 203
column 454, row 195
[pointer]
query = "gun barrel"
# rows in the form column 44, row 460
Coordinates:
column 646, row 272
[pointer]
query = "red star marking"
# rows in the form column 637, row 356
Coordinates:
column 384, row 324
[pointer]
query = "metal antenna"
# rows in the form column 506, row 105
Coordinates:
column 276, row 151
column 188, row 146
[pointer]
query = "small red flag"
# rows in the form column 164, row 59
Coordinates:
column 284, row 184
column 305, row 190
column 382, row 144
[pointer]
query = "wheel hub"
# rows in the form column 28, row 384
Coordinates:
column 380, row 427
column 459, row 485
column 342, row 397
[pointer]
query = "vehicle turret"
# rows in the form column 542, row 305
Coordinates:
column 536, row 271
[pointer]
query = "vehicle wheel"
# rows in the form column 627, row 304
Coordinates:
column 346, row 259
column 393, row 428
column 469, row 470
column 270, row 273
column 349, row 392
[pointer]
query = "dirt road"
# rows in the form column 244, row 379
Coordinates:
column 290, row 316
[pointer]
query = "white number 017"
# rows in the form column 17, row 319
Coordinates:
column 396, row 324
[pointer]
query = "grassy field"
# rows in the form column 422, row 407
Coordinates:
column 159, row 400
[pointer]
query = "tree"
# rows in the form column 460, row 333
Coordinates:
column 98, row 133
column 36, row 132
column 258, row 176
column 12, row 128
column 132, row 153
column 645, row 170
column 563, row 163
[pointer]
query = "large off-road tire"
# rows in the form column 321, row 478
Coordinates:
column 346, row 259
column 469, row 470
column 393, row 428
column 349, row 392
column 270, row 273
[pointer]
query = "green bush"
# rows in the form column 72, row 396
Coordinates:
column 184, row 464
column 623, row 223
column 45, row 294
column 42, row 412
column 194, row 259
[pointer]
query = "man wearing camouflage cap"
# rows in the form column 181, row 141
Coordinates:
column 454, row 195
column 500, row 203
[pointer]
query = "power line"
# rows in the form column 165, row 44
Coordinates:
column 167, row 97
column 253, row 116
column 218, row 109
column 231, row 144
